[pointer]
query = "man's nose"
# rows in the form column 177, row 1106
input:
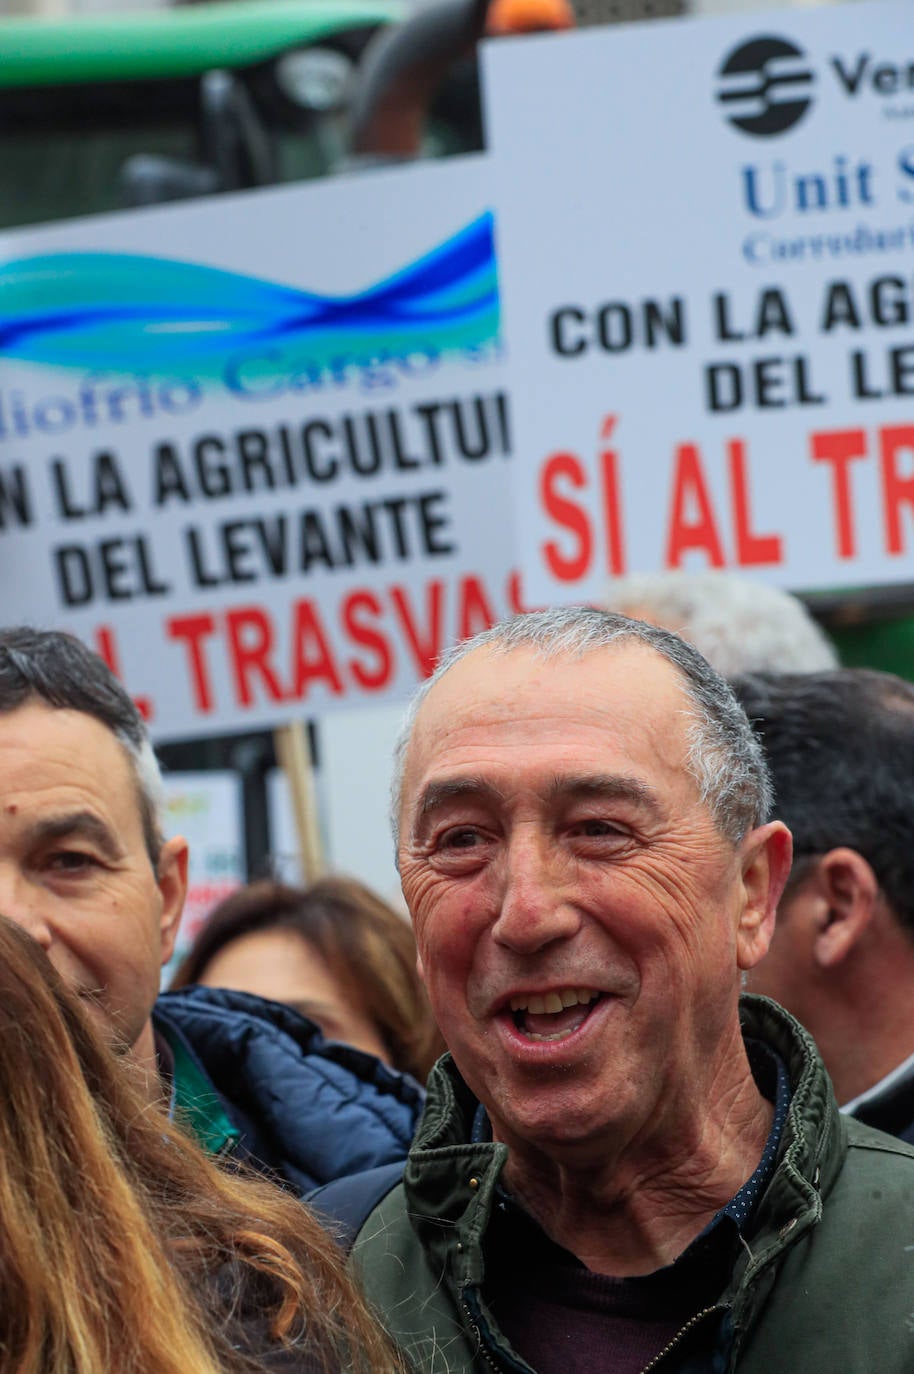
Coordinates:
column 536, row 906
column 19, row 903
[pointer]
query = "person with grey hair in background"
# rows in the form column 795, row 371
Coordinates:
column 86, row 871
column 622, row 1165
column 739, row 625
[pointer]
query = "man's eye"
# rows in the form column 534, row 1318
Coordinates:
column 70, row 861
column 596, row 829
column 461, row 837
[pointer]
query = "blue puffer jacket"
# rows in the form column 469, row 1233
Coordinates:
column 261, row 1080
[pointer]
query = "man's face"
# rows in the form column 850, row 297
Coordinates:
column 74, row 870
column 581, row 922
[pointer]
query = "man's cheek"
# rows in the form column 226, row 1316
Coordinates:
column 445, row 944
column 447, row 998
column 418, row 881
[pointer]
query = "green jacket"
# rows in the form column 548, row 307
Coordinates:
column 824, row 1282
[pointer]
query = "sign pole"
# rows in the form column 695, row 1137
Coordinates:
column 293, row 754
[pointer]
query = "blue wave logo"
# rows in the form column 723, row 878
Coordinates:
column 141, row 314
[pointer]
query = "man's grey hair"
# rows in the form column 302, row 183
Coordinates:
column 740, row 625
column 57, row 669
column 724, row 758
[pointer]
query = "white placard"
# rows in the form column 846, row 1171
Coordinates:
column 706, row 238
column 254, row 449
column 206, row 808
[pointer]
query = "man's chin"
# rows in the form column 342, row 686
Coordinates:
column 554, row 1122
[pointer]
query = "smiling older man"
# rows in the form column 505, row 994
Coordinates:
column 620, row 1168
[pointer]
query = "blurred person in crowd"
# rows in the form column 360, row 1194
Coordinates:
column 84, row 869
column 620, row 1165
column 125, row 1247
column 840, row 748
column 738, row 625
column 335, row 952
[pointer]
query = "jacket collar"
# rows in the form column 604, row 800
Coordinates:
column 814, row 1143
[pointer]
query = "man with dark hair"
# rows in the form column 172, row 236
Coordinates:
column 840, row 748
column 85, row 869
column 621, row 1166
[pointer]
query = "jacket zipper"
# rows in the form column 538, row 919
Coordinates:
column 693, row 1321
column 484, row 1348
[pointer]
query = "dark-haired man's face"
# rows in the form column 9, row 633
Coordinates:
column 74, row 868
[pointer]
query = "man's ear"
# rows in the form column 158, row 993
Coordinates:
column 172, row 883
column 765, row 858
column 849, row 896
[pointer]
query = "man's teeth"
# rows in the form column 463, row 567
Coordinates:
column 554, row 1001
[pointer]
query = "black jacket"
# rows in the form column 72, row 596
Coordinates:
column 891, row 1109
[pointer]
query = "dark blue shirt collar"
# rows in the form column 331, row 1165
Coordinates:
column 770, row 1074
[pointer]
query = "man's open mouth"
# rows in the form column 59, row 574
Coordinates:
column 553, row 1015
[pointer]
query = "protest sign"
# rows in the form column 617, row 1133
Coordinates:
column 706, row 240
column 255, row 449
column 206, row 808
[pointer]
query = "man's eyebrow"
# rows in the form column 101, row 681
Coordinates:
column 445, row 790
column 563, row 787
column 77, row 823
column 604, row 787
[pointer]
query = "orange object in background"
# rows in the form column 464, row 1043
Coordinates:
column 527, row 16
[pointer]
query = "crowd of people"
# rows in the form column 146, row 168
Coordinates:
column 633, row 1089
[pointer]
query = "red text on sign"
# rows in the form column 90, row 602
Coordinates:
column 839, row 449
column 270, row 662
column 694, row 526
column 569, row 501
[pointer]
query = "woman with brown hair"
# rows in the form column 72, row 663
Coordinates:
column 123, row 1248
column 335, row 952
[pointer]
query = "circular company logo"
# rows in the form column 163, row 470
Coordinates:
column 765, row 86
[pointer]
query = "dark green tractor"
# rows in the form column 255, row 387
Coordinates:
column 106, row 112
